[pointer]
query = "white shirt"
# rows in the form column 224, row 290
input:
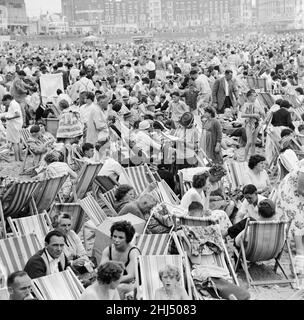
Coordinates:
column 226, row 87
column 53, row 263
column 144, row 142
column 202, row 84
column 249, row 210
column 150, row 66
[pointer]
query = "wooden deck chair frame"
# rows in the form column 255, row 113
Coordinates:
column 21, row 193
column 154, row 264
column 233, row 174
column 73, row 209
column 25, row 135
column 45, row 195
column 107, row 203
column 16, row 251
column 222, row 260
column 85, row 179
column 50, row 288
column 39, row 224
column 252, row 251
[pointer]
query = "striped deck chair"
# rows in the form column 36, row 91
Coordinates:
column 86, row 176
column 16, row 198
column 107, row 201
column 268, row 99
column 217, row 259
column 235, row 174
column 74, row 210
column 4, row 294
column 299, row 111
column 16, row 251
column 251, row 82
column 140, row 177
column 39, row 224
column 264, row 241
column 154, row 244
column 58, row 286
column 45, row 195
column 261, row 84
column 105, row 183
column 167, row 194
column 147, row 273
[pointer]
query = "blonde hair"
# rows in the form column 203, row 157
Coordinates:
column 169, row 270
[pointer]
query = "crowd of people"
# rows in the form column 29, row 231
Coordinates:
column 172, row 105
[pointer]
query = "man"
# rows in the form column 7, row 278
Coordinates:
column 225, row 93
column 85, row 109
column 202, row 85
column 49, row 260
column 19, row 286
column 88, row 152
column 163, row 104
column 97, row 127
column 177, row 107
column 249, row 207
column 151, row 68
column 83, row 84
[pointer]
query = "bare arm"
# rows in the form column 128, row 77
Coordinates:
column 300, row 187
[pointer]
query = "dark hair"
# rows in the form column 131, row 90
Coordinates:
column 7, row 97
column 35, row 128
column 169, row 124
column 56, row 218
column 53, row 233
column 250, row 189
column 278, row 102
column 109, row 272
column 300, row 90
column 90, row 95
column 122, row 190
column 199, row 180
column 255, row 160
column 195, row 206
column 301, row 127
column 82, row 73
column 117, row 106
column 123, row 226
column 286, row 132
column 59, row 91
column 210, row 110
column 64, row 104
column 250, row 93
column 175, row 93
column 11, row 278
column 266, row 208
column 86, row 147
column 217, row 172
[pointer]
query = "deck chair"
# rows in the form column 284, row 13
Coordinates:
column 16, row 251
column 73, row 209
column 299, row 295
column 269, row 100
column 140, row 177
column 105, row 184
column 39, row 224
column 94, row 212
column 108, row 200
column 16, row 198
column 166, row 194
column 58, row 286
column 4, row 153
column 186, row 176
column 251, row 82
column 235, row 174
column 4, row 294
column 25, row 135
column 154, row 244
column 217, row 259
column 46, row 194
column 286, row 162
column 264, row 241
column 147, row 273
column 86, row 176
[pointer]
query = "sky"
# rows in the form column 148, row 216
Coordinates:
column 34, row 7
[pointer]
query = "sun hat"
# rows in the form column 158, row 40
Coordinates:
column 187, row 119
column 144, row 125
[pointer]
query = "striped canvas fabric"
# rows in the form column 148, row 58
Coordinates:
column 268, row 99
column 236, row 172
column 25, row 135
column 86, row 177
column 39, row 224
column 4, row 294
column 264, row 240
column 74, row 210
column 58, row 286
column 108, row 200
column 149, row 268
column 45, row 195
column 140, row 177
column 153, row 244
column 197, row 222
column 293, row 100
column 110, row 196
column 299, row 111
column 19, row 196
column 93, row 210
column 15, row 252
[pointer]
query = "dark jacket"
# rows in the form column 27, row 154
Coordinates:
column 162, row 107
column 282, row 117
column 36, row 267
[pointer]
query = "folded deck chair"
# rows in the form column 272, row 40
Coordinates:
column 58, row 286
column 94, row 212
column 39, row 224
column 105, row 183
column 140, row 177
column 86, row 177
column 4, row 294
column 264, row 241
column 147, row 273
column 109, row 199
column 154, row 244
column 18, row 195
column 236, row 174
column 16, row 251
column 217, row 259
column 45, row 195
column 74, row 210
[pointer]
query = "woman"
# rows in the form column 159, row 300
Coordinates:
column 70, row 127
column 123, row 195
column 105, row 288
column 252, row 115
column 187, row 145
column 74, row 249
column 290, row 204
column 123, row 251
column 257, row 175
column 212, row 136
column 171, row 290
